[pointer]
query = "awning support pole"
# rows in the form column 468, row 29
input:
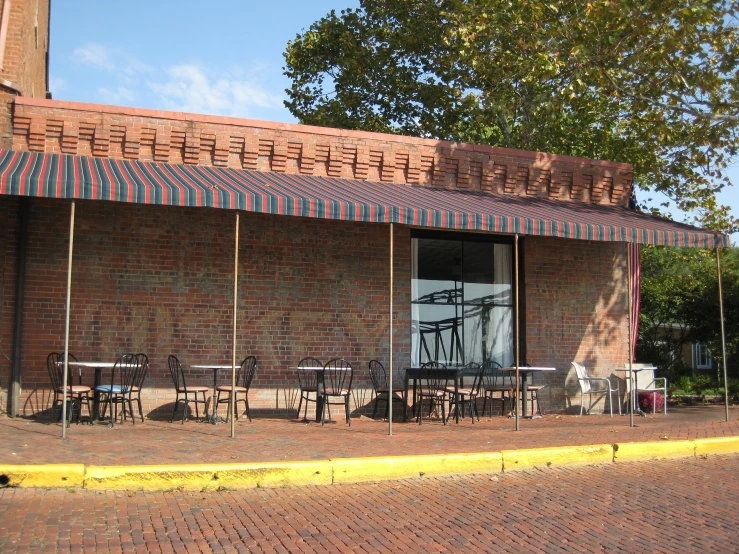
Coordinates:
column 515, row 272
column 390, row 385
column 232, row 406
column 66, row 324
column 632, row 392
column 723, row 333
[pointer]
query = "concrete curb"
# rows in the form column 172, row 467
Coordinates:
column 349, row 470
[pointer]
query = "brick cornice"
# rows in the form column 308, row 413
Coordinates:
column 176, row 137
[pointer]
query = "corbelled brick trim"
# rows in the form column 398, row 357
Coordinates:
column 173, row 137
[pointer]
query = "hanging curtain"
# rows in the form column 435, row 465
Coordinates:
column 635, row 286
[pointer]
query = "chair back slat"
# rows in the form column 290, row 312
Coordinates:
column 434, row 382
column 494, row 377
column 379, row 376
column 131, row 370
column 478, row 372
column 582, row 376
column 55, row 367
column 308, row 379
column 177, row 372
column 337, row 376
column 247, row 369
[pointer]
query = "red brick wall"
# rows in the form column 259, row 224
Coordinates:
column 576, row 310
column 23, row 68
column 159, row 280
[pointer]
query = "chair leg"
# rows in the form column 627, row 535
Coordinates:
column 300, row 404
column 443, row 412
column 174, row 410
column 246, row 401
column 377, row 399
column 346, row 409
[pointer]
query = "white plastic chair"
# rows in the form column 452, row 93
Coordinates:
column 645, row 381
column 595, row 385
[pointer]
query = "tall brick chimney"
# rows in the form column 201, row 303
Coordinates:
column 24, row 57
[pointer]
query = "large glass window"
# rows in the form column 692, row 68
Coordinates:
column 462, row 301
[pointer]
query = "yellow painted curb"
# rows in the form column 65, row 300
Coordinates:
column 519, row 460
column 208, row 476
column 716, row 445
column 358, row 470
column 42, row 475
column 635, row 451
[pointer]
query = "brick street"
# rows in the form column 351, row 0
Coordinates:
column 685, row 505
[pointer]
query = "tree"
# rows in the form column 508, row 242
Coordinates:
column 680, row 305
column 650, row 82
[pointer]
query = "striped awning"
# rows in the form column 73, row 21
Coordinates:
column 51, row 175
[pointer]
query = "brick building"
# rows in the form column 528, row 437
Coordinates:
column 155, row 201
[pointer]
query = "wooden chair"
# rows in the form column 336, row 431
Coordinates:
column 185, row 393
column 467, row 394
column 496, row 382
column 244, row 377
column 337, row 383
column 381, row 386
column 76, row 394
column 308, row 382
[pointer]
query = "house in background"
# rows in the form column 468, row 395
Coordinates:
column 156, row 196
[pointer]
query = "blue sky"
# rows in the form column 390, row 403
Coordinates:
column 220, row 57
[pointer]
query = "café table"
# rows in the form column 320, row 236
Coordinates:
column 98, row 380
column 636, row 368
column 451, row 372
column 213, row 417
column 524, row 372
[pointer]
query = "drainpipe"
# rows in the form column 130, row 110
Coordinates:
column 20, row 280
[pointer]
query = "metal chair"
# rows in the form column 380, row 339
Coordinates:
column 433, row 387
column 467, row 394
column 308, row 382
column 381, row 386
column 494, row 382
column 244, row 377
column 337, row 383
column 185, row 393
column 75, row 393
column 645, row 381
column 595, row 385
column 126, row 379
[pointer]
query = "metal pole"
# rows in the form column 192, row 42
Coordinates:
column 232, row 406
column 632, row 392
column 66, row 324
column 390, row 386
column 723, row 334
column 515, row 272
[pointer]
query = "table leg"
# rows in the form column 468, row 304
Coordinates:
column 319, row 396
column 96, row 396
column 525, row 395
column 405, row 396
column 456, row 398
column 214, row 411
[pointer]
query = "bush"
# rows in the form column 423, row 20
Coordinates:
column 647, row 402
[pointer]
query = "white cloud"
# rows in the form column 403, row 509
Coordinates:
column 95, row 55
column 190, row 88
column 120, row 95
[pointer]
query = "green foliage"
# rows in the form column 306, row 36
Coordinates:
column 652, row 83
column 679, row 303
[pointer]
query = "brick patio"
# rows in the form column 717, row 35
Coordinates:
column 29, row 441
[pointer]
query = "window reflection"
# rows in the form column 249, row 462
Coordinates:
column 461, row 301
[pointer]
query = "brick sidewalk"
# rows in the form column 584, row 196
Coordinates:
column 264, row 440
column 675, row 506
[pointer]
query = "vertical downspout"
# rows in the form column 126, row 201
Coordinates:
column 390, row 384
column 20, row 280
column 723, row 334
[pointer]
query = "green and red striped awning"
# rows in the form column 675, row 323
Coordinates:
column 51, row 175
